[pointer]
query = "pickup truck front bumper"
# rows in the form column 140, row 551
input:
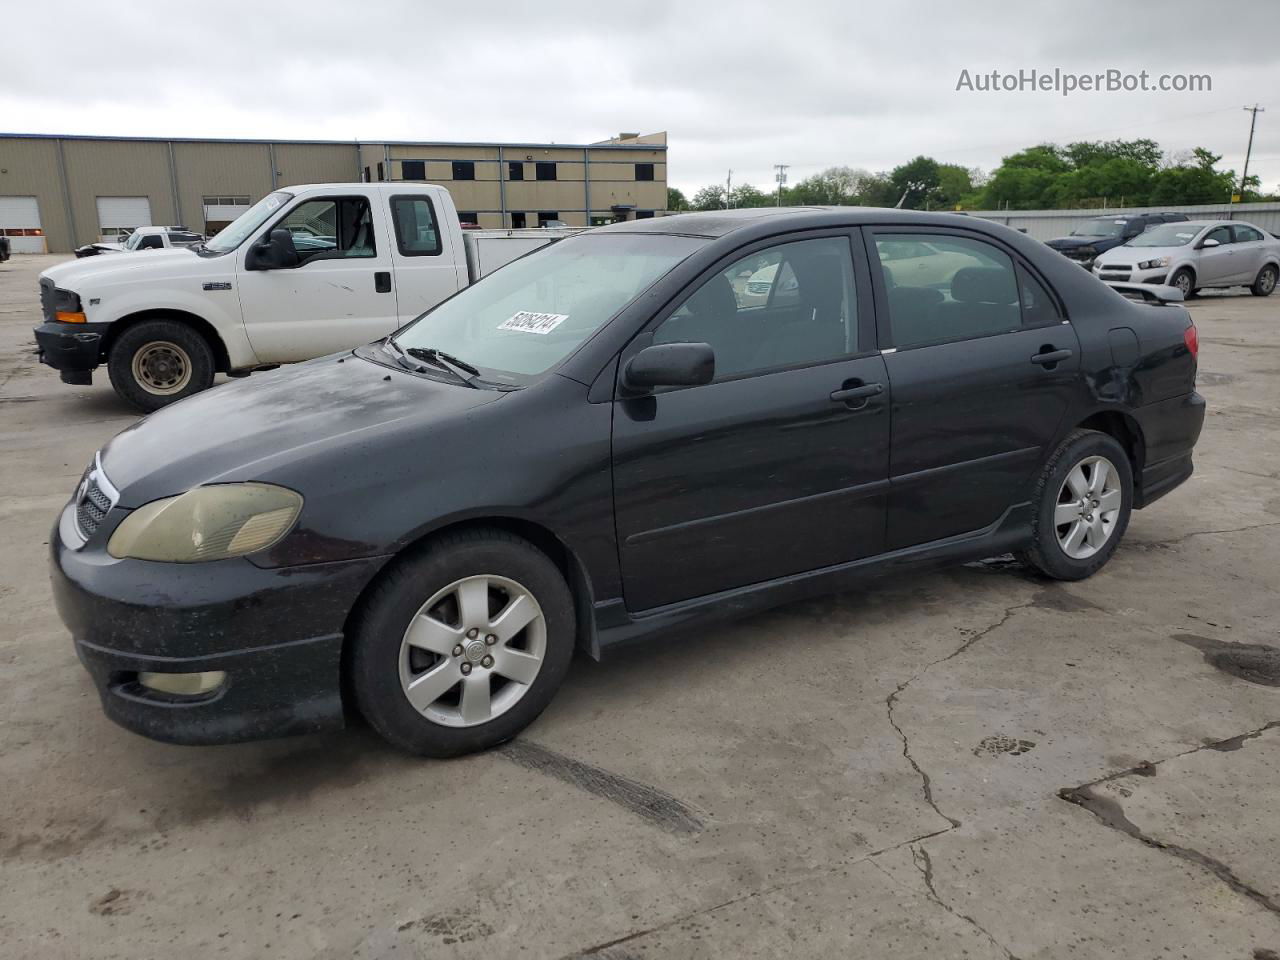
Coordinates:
column 73, row 349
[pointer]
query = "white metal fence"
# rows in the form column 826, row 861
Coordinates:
column 1047, row 224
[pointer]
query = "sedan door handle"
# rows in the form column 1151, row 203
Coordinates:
column 1052, row 356
column 857, row 396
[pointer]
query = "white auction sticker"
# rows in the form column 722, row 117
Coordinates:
column 527, row 322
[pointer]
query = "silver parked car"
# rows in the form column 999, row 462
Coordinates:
column 1196, row 254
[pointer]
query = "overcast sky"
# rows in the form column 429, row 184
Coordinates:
column 737, row 85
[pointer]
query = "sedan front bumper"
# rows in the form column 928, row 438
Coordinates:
column 277, row 634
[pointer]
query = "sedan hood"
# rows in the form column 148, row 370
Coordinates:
column 1133, row 255
column 277, row 422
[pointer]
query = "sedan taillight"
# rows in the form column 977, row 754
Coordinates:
column 1192, row 340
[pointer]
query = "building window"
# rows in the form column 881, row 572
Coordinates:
column 644, row 171
column 220, row 211
column 366, row 174
column 643, row 214
column 469, row 216
column 381, row 174
column 547, row 216
column 546, row 170
column 464, row 170
column 413, row 170
column 517, row 220
column 515, row 170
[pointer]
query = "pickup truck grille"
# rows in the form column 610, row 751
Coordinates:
column 93, row 503
column 47, row 297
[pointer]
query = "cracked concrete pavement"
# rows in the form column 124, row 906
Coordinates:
column 894, row 772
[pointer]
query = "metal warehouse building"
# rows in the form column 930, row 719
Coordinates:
column 58, row 192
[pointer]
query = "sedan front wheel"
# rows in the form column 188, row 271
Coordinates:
column 461, row 646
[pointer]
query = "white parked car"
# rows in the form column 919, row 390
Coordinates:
column 144, row 238
column 915, row 263
column 1194, row 255
column 307, row 271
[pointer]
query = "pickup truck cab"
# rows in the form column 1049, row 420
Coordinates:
column 144, row 238
column 307, row 271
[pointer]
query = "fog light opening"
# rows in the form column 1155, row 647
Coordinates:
column 183, row 684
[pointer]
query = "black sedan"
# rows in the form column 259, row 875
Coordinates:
column 608, row 439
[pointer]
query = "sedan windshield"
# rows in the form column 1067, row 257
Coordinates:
column 534, row 312
column 1101, row 227
column 1167, row 235
column 235, row 233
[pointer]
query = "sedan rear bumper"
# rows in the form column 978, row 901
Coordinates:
column 1170, row 429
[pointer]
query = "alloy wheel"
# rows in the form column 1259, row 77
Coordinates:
column 1267, row 282
column 472, row 651
column 1088, row 507
column 162, row 368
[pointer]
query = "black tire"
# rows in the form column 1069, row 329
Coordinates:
column 169, row 352
column 1185, row 281
column 1045, row 552
column 379, row 629
column 1264, row 284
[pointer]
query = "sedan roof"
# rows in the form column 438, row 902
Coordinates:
column 719, row 223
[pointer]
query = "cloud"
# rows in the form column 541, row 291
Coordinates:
column 742, row 85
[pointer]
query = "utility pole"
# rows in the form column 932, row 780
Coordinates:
column 781, row 177
column 1244, row 177
column 728, row 189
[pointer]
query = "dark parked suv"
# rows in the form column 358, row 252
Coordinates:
column 1092, row 237
column 605, row 440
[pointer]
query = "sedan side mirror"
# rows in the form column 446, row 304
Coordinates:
column 1209, row 243
column 275, row 252
column 671, row 365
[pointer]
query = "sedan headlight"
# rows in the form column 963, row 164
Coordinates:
column 1151, row 264
column 207, row 523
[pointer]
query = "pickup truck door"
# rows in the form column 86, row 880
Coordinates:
column 429, row 259
column 340, row 295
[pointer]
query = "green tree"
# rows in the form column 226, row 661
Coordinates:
column 676, row 200
column 916, row 183
column 708, row 198
column 745, row 195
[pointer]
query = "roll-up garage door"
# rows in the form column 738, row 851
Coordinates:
column 120, row 216
column 20, row 222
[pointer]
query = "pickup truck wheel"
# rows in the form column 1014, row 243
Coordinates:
column 156, row 362
column 1265, row 283
column 1083, row 497
column 460, row 647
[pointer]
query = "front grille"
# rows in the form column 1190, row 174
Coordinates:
column 93, row 503
column 1118, row 266
column 1107, row 275
column 48, row 297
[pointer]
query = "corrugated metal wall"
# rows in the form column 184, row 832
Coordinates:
column 1047, row 224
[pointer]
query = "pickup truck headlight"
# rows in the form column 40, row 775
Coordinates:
column 66, row 306
column 1084, row 253
column 207, row 523
column 1151, row 264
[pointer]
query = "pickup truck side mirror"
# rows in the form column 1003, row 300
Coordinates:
column 275, row 252
column 671, row 365
column 1209, row 243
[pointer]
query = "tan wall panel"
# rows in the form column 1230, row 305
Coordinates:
column 430, row 151
column 29, row 168
column 316, row 163
column 626, row 171
column 441, row 171
column 627, row 156
column 643, row 196
column 117, row 168
column 546, row 195
column 219, row 169
column 474, row 194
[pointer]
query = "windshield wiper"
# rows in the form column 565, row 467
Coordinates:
column 459, row 368
column 398, row 354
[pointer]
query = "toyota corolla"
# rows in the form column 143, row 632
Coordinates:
column 603, row 442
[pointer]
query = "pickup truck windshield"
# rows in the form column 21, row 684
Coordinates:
column 235, row 233
column 534, row 312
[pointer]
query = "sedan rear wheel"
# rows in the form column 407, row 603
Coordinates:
column 1265, row 283
column 460, row 646
column 1083, row 498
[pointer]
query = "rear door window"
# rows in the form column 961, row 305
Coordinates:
column 948, row 288
column 415, row 224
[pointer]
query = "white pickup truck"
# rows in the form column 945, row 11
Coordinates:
column 307, row 271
